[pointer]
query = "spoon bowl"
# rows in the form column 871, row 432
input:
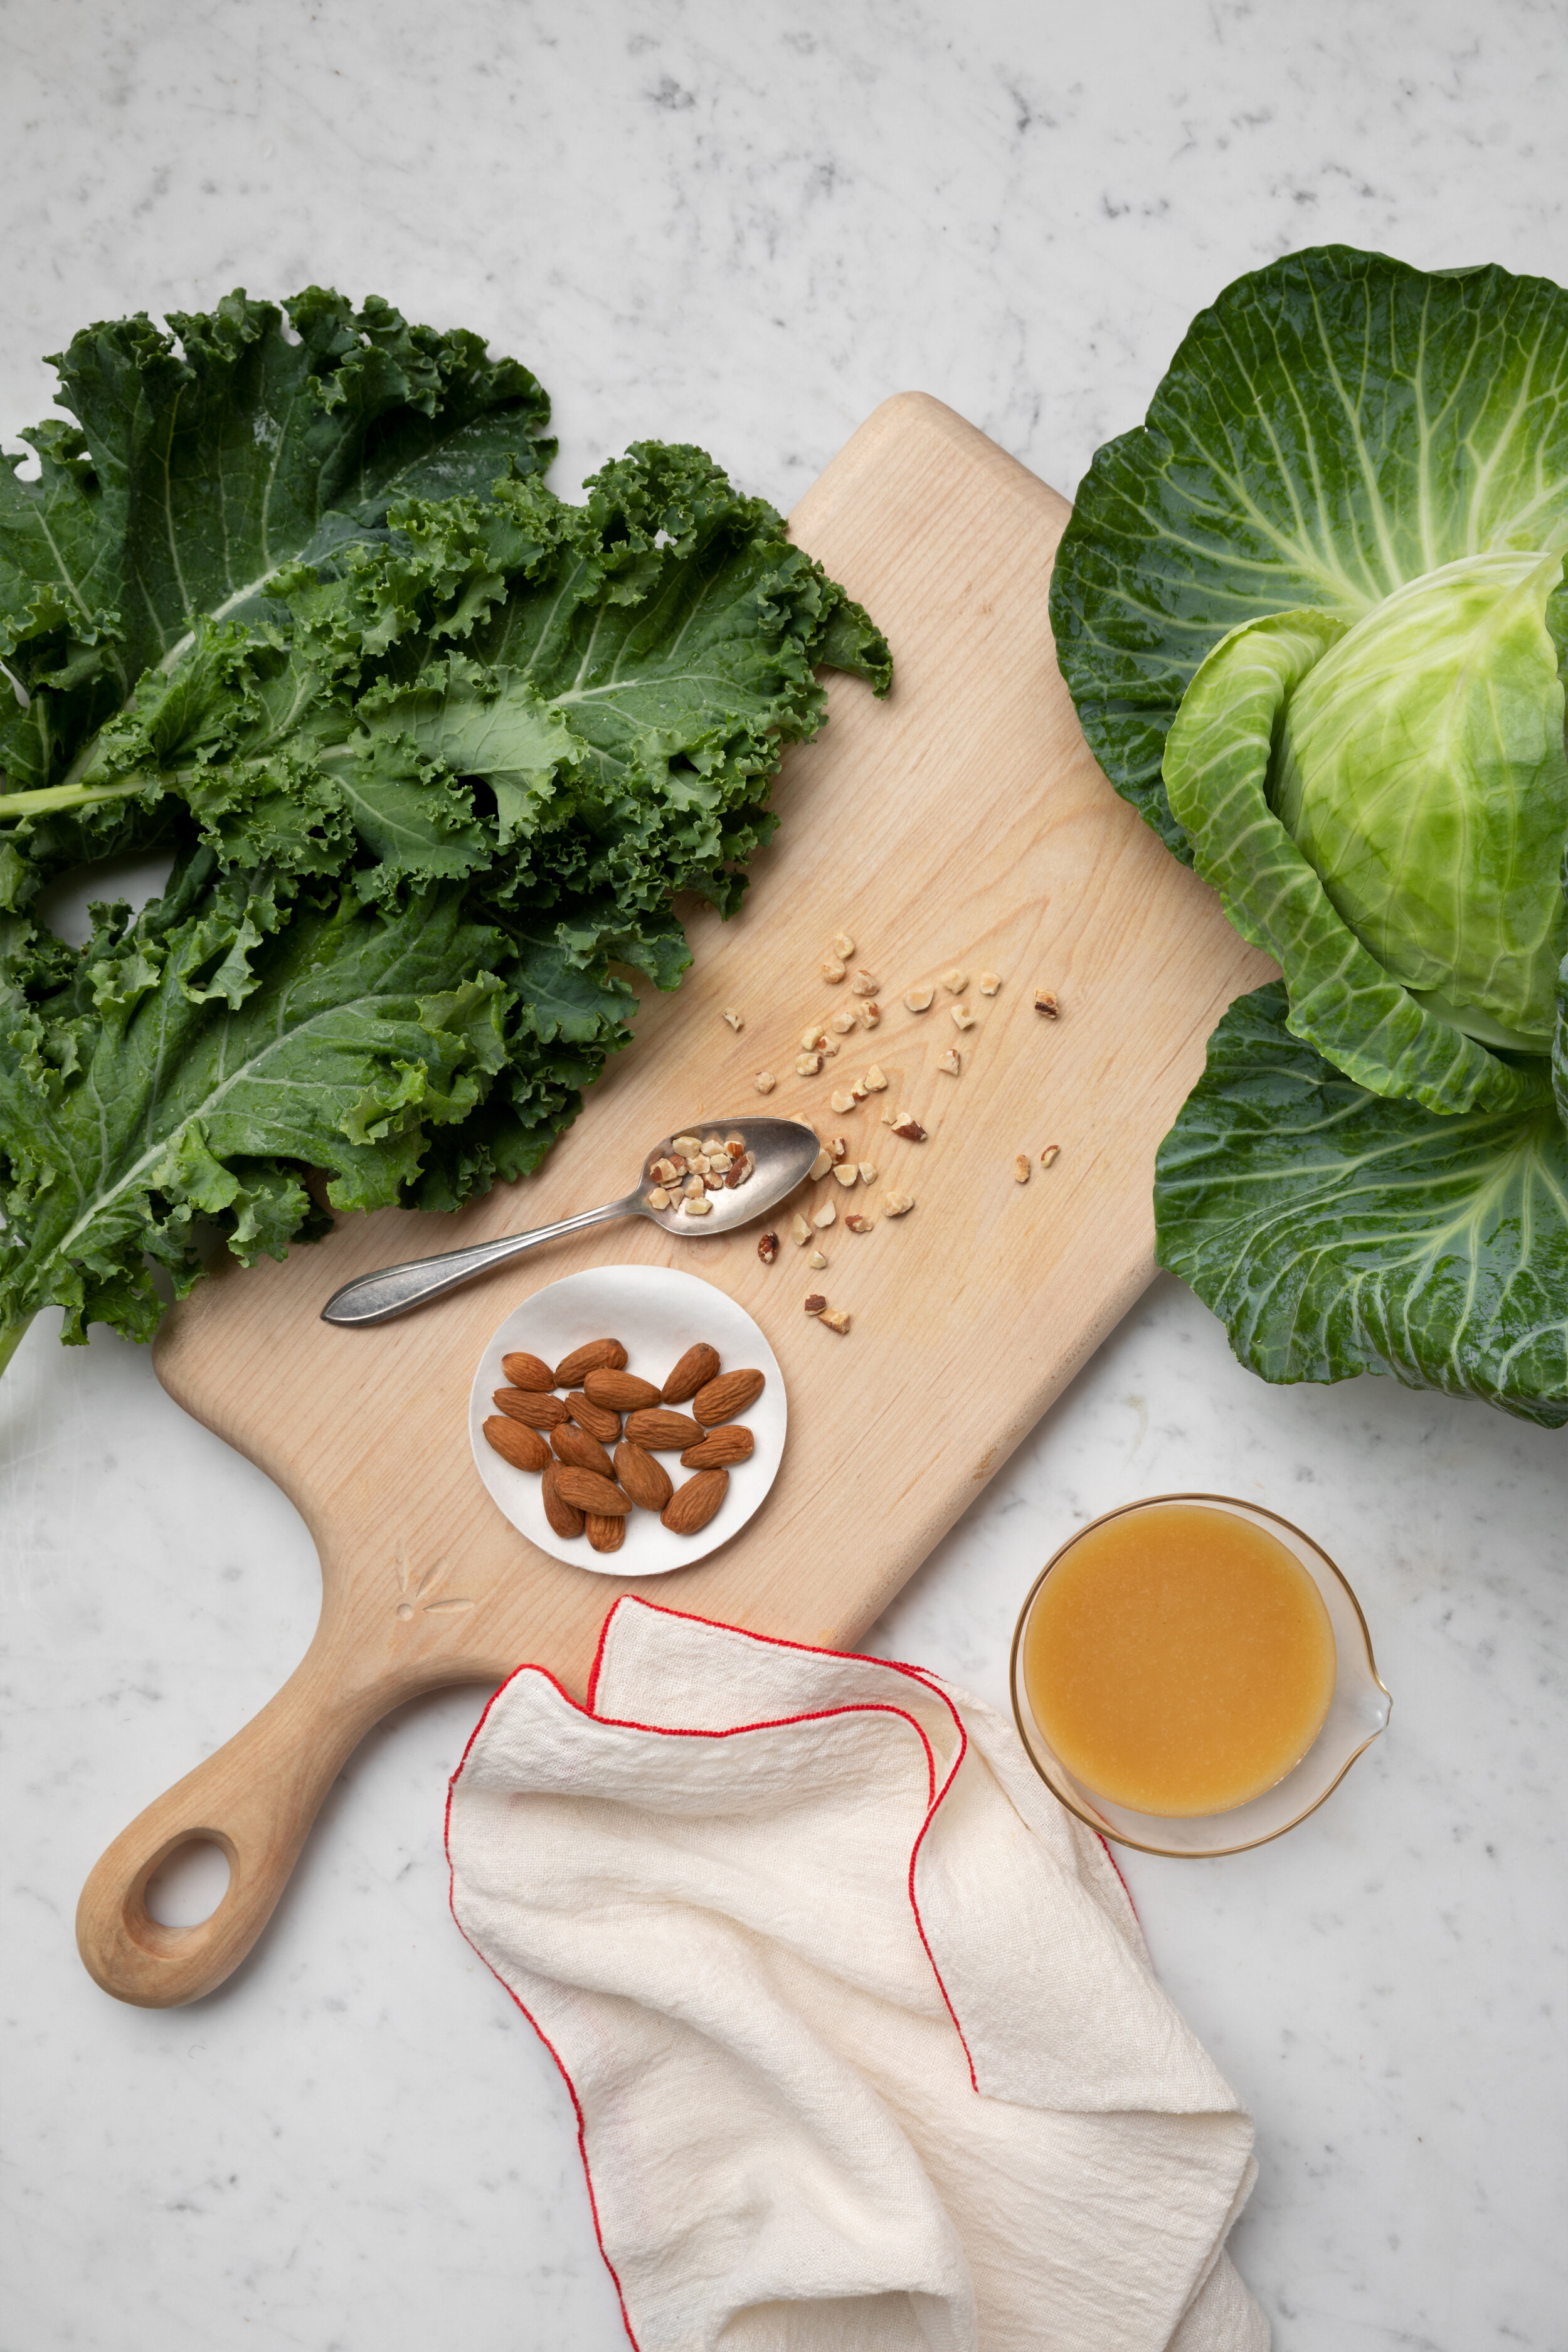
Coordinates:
column 775, row 1155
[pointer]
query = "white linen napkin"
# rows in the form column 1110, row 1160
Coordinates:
column 864, row 2044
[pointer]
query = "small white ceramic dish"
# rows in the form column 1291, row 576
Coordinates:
column 655, row 1314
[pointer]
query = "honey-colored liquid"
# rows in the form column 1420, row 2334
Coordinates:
column 1179, row 1659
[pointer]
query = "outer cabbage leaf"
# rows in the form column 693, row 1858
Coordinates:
column 1335, row 424
column 196, row 472
column 1422, row 770
column 193, row 1064
column 1337, row 1233
column 1342, row 1000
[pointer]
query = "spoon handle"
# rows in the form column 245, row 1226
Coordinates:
column 376, row 1297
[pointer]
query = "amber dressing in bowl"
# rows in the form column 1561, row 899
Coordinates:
column 1179, row 1659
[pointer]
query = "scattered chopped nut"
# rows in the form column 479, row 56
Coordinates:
column 693, row 1187
column 703, row 1208
column 868, row 1172
column 764, row 1082
column 815, row 1303
column 963, row 1017
column 1047, row 1003
column 735, row 1020
column 956, row 981
column 1021, row 1169
column 657, row 1199
column 843, row 945
column 1051, row 1155
column 909, row 1128
column 799, row 1232
column 767, row 1247
column 825, row 1216
column 889, row 1116
column 952, row 1063
column 807, row 1066
column 847, row 1174
column 989, row 983
column 812, row 1037
column 713, row 1181
column 859, row 1223
column 876, row 1084
column 821, row 1164
column 712, row 1143
column 739, row 1171
column 897, row 1204
column 664, row 1171
column 919, row 999
column 833, row 1045
column 689, row 1145
column 863, row 984
column 735, row 1145
column 871, row 1015
column 837, row 1146
column 800, row 1120
column 835, row 1318
column 841, row 1099
column 832, row 969
column 700, row 1164
column 843, row 1022
column 857, row 1090
column 817, row 1261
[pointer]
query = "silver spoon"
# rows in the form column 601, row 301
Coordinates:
column 782, row 1151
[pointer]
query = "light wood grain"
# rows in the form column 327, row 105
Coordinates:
column 962, row 822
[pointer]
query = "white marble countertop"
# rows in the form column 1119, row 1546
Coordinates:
column 745, row 227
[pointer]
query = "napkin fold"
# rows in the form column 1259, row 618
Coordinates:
column 861, row 2032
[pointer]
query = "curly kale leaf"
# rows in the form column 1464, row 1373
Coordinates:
column 196, row 471
column 193, row 1064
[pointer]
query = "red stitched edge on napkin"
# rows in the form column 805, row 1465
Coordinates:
column 816, row 1715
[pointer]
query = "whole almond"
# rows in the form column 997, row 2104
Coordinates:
column 730, row 1393
column 583, row 1452
column 719, row 1448
column 648, row 1482
column 563, row 1517
column 697, row 1366
column 527, row 1405
column 604, row 1533
column 598, row 1356
column 691, row 1507
column 528, row 1372
column 622, row 1392
column 589, row 1492
column 663, row 1432
column 596, row 1419
column 522, row 1448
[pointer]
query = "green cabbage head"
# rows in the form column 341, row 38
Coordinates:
column 1313, row 617
column 1422, row 772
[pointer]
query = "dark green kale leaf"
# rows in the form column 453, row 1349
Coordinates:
column 193, row 1062
column 193, row 474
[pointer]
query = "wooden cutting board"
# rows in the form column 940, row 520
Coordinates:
column 960, row 823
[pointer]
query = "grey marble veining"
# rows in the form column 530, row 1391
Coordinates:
column 745, row 227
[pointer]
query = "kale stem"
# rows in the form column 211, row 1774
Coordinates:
column 11, row 1336
column 71, row 796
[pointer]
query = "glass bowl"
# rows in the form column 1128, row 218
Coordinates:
column 1358, row 1711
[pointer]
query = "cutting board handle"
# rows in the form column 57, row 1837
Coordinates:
column 256, row 1799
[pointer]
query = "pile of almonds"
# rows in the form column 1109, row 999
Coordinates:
column 568, row 1440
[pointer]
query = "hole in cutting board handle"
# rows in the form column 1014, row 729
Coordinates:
column 188, row 1884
